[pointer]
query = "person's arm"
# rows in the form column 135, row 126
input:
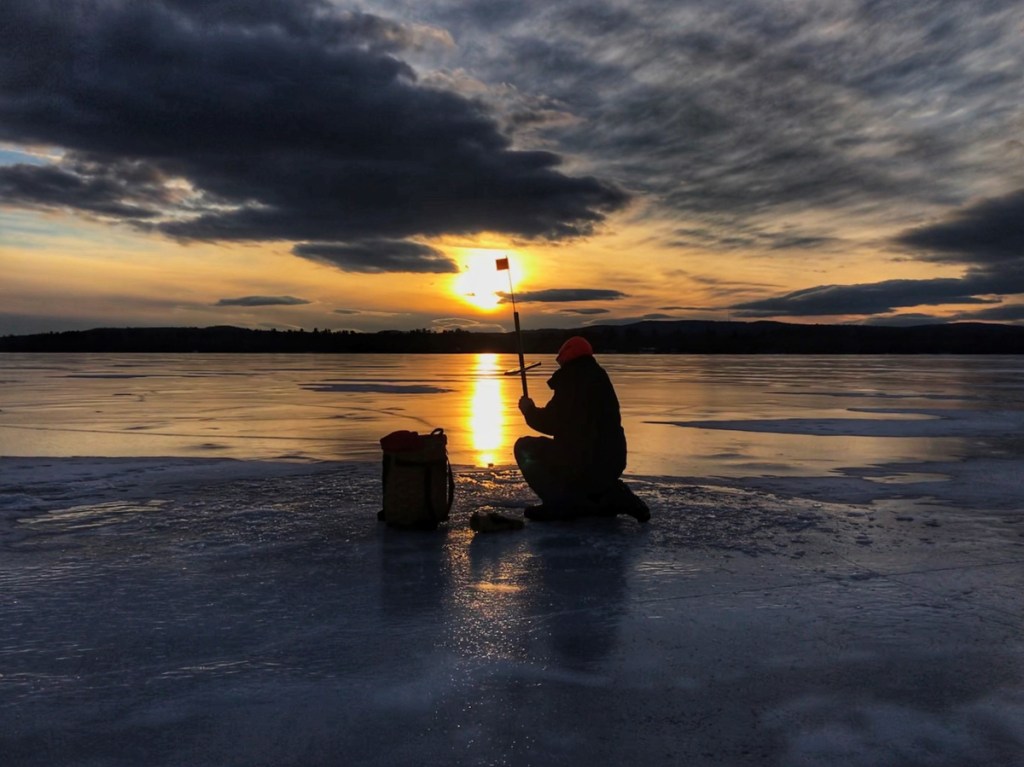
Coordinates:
column 542, row 419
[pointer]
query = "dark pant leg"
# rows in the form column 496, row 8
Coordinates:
column 543, row 470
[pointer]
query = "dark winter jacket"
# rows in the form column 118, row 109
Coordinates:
column 583, row 417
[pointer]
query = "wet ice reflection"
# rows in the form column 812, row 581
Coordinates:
column 683, row 415
column 533, row 599
column 253, row 612
column 486, row 427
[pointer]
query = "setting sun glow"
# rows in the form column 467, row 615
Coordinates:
column 480, row 284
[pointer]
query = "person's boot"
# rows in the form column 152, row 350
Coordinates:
column 632, row 505
column 619, row 499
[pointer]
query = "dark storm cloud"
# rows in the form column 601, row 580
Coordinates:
column 593, row 310
column 262, row 301
column 278, row 120
column 564, row 295
column 987, row 234
column 378, row 256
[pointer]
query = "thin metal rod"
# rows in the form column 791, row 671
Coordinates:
column 519, row 335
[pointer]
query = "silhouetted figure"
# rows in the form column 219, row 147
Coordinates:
column 576, row 471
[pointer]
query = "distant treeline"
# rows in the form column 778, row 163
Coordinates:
column 655, row 336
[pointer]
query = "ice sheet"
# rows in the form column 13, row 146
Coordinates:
column 191, row 571
column 221, row 612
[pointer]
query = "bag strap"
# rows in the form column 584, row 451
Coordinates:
column 451, row 483
column 448, row 471
column 427, row 485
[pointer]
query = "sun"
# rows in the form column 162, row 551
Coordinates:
column 480, row 284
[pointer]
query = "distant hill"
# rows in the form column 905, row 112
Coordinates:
column 653, row 336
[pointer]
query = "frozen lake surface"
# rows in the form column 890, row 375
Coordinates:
column 191, row 572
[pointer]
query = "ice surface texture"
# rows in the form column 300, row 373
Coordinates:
column 212, row 612
column 823, row 581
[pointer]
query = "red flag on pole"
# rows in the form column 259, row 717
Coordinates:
column 502, row 264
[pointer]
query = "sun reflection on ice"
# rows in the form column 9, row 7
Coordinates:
column 487, row 426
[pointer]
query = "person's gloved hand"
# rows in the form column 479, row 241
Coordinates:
column 526, row 405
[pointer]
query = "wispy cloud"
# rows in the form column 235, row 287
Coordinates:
column 262, row 301
column 749, row 237
column 740, row 109
column 739, row 118
column 470, row 325
column 366, row 313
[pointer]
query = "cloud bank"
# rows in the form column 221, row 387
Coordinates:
column 987, row 237
column 988, row 234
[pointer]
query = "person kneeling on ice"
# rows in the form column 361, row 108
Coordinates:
column 576, row 471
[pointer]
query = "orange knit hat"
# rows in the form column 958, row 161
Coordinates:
column 575, row 347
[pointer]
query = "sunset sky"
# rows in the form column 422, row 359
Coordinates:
column 307, row 163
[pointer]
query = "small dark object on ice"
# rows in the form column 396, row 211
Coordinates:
column 493, row 522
